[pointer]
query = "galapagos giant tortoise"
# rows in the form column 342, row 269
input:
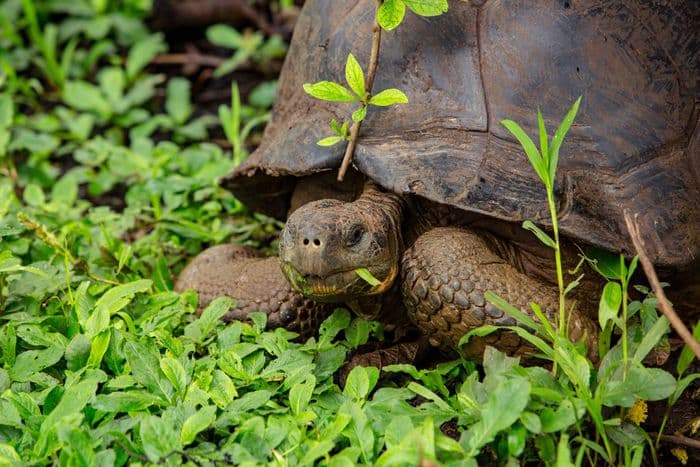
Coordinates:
column 440, row 189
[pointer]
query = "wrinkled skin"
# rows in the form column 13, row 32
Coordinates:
column 324, row 242
column 430, row 277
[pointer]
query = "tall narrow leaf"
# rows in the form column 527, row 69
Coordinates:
column 559, row 138
column 530, row 149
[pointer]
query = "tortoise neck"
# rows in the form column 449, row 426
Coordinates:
column 390, row 203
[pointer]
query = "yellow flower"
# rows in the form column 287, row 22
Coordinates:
column 681, row 454
column 638, row 412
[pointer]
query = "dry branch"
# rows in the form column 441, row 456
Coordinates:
column 664, row 303
column 371, row 72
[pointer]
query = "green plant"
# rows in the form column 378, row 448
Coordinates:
column 621, row 381
column 248, row 46
column 390, row 14
column 231, row 119
column 545, row 161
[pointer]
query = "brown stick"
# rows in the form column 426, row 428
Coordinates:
column 188, row 58
column 664, row 304
column 371, row 72
column 679, row 439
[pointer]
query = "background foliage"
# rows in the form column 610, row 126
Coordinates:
column 109, row 152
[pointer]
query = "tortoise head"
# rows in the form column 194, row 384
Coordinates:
column 325, row 242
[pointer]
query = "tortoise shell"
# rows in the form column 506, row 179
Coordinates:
column 635, row 143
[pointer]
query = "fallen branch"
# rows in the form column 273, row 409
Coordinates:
column 664, row 303
column 679, row 439
column 371, row 72
column 177, row 14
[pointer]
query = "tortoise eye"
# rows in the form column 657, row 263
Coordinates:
column 355, row 236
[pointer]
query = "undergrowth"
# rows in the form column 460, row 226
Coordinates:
column 109, row 185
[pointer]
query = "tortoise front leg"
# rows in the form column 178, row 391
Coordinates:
column 256, row 283
column 444, row 277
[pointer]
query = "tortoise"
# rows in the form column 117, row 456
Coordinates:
column 434, row 206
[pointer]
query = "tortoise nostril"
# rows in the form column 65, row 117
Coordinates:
column 317, row 242
column 306, row 241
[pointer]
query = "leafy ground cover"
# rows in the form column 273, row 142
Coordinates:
column 111, row 144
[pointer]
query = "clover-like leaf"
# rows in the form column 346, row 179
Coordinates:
column 390, row 14
column 389, row 97
column 329, row 140
column 427, row 7
column 330, row 91
column 354, row 76
column 359, row 114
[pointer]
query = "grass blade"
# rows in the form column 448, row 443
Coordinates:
column 559, row 138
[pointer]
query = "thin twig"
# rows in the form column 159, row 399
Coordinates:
column 679, row 439
column 371, row 72
column 664, row 304
column 188, row 58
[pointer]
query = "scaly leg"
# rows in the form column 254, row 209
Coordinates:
column 445, row 274
column 256, row 283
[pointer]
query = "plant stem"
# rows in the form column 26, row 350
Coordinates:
column 563, row 330
column 369, row 81
column 624, row 320
column 664, row 304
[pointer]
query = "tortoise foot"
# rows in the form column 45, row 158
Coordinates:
column 256, row 283
column 445, row 275
column 405, row 352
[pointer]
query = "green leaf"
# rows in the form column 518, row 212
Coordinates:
column 224, row 36
column 30, row 362
column 177, row 101
column 210, row 317
column 74, row 399
column 330, row 91
column 564, row 452
column 390, row 14
column 541, row 234
column 7, row 110
column 300, row 395
column 610, row 302
column 367, row 276
column 359, row 114
column 145, row 368
column 158, row 437
column 143, row 52
column 605, row 263
column 389, row 97
column 650, row 384
column 427, row 7
column 561, row 417
column 687, row 356
column 503, row 407
column 354, row 76
column 516, row 313
column 558, row 138
column 129, row 401
column 175, row 372
column 530, row 150
column 111, row 302
column 531, row 421
column 85, row 96
column 544, row 149
column 360, row 382
column 33, row 195
column 98, row 347
column 330, row 140
column 358, row 332
column 651, row 339
column 196, row 423
column 112, row 82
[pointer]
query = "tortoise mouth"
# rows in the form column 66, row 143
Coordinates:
column 337, row 285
